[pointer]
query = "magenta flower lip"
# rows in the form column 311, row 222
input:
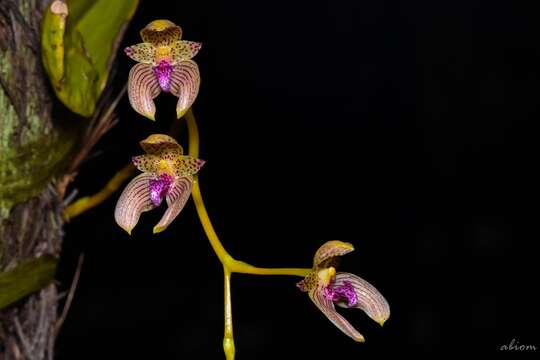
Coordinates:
column 163, row 73
column 343, row 292
column 160, row 187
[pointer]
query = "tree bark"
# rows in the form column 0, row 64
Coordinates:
column 33, row 148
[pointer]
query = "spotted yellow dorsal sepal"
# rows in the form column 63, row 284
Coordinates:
column 156, row 143
column 161, row 33
column 328, row 254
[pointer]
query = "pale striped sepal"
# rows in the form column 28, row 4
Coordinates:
column 176, row 200
column 185, row 82
column 135, row 200
column 370, row 300
column 143, row 87
column 327, row 307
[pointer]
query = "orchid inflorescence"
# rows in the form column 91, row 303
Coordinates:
column 167, row 173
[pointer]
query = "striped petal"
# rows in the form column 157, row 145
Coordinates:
column 161, row 33
column 185, row 82
column 329, row 252
column 176, row 200
column 143, row 53
column 369, row 299
column 157, row 143
column 328, row 309
column 184, row 50
column 143, row 87
column 135, row 200
column 187, row 165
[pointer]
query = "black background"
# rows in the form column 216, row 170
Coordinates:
column 402, row 127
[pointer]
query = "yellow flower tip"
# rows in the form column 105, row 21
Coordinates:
column 161, row 33
column 341, row 244
column 360, row 339
column 152, row 139
column 160, row 25
column 128, row 230
column 151, row 116
column 382, row 321
column 158, row 229
column 156, row 139
column 180, row 113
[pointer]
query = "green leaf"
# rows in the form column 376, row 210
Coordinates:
column 28, row 277
column 93, row 29
column 100, row 23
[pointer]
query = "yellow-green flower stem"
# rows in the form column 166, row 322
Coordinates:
column 233, row 265
column 85, row 203
column 230, row 265
column 228, row 338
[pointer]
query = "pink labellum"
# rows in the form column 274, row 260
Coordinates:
column 343, row 292
column 163, row 74
column 160, row 187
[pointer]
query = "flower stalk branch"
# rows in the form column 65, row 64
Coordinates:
column 230, row 265
column 86, row 203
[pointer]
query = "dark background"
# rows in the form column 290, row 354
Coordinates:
column 402, row 127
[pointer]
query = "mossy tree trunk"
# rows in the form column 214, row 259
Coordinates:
column 33, row 147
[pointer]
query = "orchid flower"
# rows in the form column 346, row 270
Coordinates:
column 327, row 287
column 167, row 173
column 164, row 65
